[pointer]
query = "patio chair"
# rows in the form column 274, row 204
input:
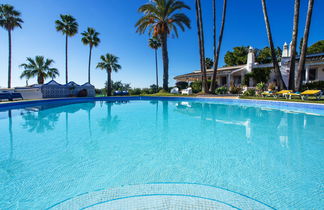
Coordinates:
column 187, row 91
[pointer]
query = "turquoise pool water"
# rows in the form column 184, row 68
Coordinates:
column 54, row 152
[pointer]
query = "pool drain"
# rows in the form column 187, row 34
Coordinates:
column 162, row 196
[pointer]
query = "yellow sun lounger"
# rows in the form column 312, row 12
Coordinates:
column 282, row 93
column 304, row 95
column 277, row 94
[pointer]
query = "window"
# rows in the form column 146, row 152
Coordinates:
column 224, row 81
column 312, row 74
column 237, row 80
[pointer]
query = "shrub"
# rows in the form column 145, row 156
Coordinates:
column 249, row 92
column 182, row 85
column 261, row 86
column 319, row 85
column 235, row 89
column 272, row 86
column 135, row 91
column 146, row 91
column 98, row 91
column 196, row 86
column 163, row 91
column 221, row 90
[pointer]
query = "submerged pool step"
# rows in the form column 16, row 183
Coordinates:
column 162, row 196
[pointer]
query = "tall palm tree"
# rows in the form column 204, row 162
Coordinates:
column 293, row 46
column 161, row 18
column 9, row 20
column 40, row 68
column 69, row 27
column 155, row 44
column 280, row 82
column 303, row 53
column 220, row 40
column 109, row 63
column 201, row 40
column 90, row 37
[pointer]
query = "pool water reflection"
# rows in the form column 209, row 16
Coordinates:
column 52, row 152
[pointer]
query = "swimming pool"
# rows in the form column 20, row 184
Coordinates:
column 58, row 152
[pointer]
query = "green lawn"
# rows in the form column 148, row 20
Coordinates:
column 310, row 99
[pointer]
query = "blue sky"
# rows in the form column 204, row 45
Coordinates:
column 115, row 20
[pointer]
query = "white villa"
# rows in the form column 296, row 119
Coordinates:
column 314, row 69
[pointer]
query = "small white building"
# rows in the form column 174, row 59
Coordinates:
column 314, row 69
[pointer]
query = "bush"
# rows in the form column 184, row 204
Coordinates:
column 319, row 85
column 272, row 86
column 135, row 91
column 261, row 86
column 163, row 91
column 182, row 85
column 196, row 86
column 146, row 91
column 98, row 91
column 235, row 89
column 249, row 92
column 221, row 90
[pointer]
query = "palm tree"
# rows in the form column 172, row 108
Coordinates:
column 90, row 37
column 291, row 85
column 69, row 27
column 155, row 43
column 40, row 68
column 109, row 63
column 303, row 53
column 9, row 20
column 280, row 82
column 220, row 39
column 161, row 19
column 27, row 75
column 209, row 63
column 200, row 29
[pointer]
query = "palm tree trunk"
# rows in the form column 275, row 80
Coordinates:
column 66, row 60
column 204, row 87
column 302, row 59
column 293, row 46
column 89, row 64
column 109, row 83
column 40, row 79
column 220, row 39
column 10, row 133
column 9, row 59
column 156, row 71
column 280, row 82
column 165, row 58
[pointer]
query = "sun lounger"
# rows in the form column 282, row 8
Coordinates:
column 16, row 96
column 125, row 93
column 282, row 93
column 304, row 95
column 117, row 93
column 267, row 93
column 5, row 97
column 187, row 91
